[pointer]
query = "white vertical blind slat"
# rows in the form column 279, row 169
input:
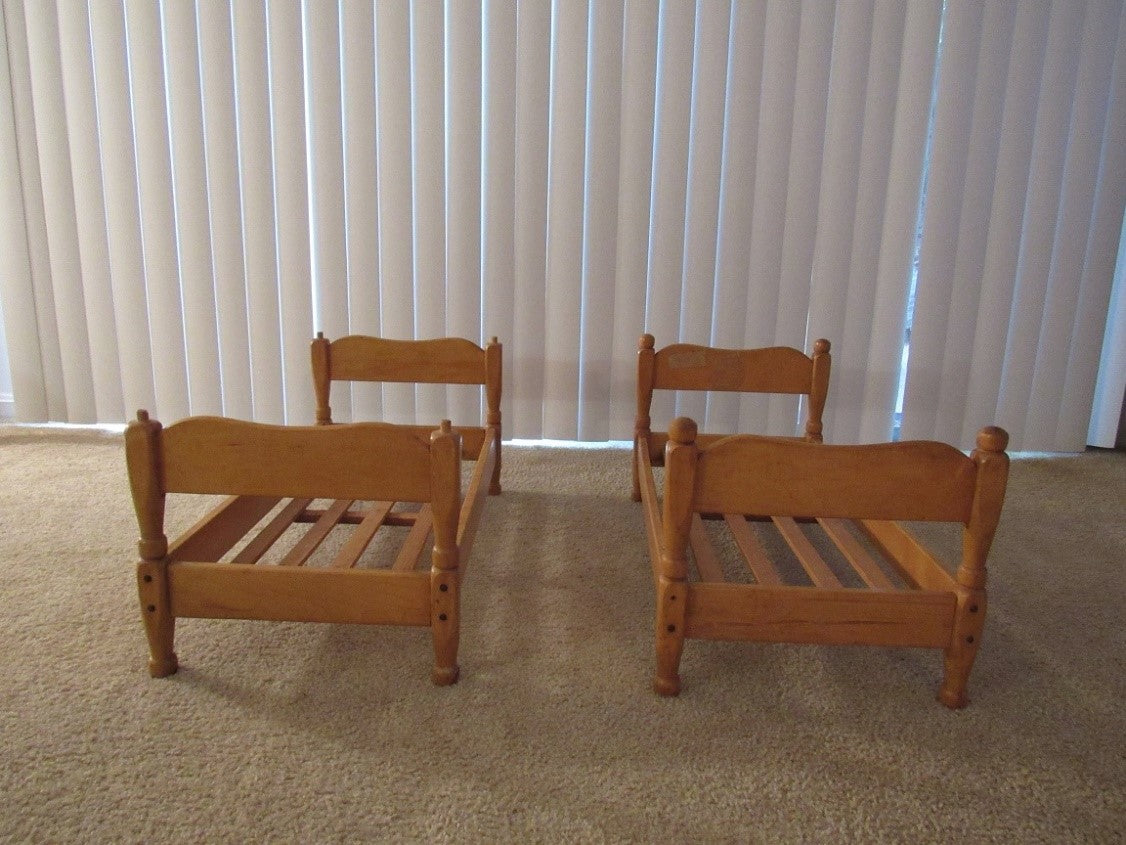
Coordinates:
column 326, row 148
column 35, row 221
column 89, row 207
column 600, row 204
column 946, row 186
column 566, row 176
column 498, row 183
column 705, row 153
column 921, row 29
column 429, row 191
column 780, row 68
column 221, row 142
column 1041, row 211
column 737, row 189
column 1014, row 151
column 532, row 107
column 20, row 323
column 361, row 210
column 973, row 228
column 850, row 329
column 59, row 215
column 393, row 129
column 158, row 229
column 639, row 61
column 1085, row 376
column 189, row 180
column 258, row 212
column 119, row 172
column 671, row 127
column 846, row 120
column 802, row 191
column 463, row 190
column 1074, row 218
column 291, row 202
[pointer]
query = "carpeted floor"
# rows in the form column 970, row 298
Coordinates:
column 317, row 733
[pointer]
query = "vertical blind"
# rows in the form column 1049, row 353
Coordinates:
column 190, row 190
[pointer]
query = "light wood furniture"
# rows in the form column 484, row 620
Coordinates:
column 449, row 360
column 685, row 366
column 272, row 475
column 867, row 581
column 278, row 472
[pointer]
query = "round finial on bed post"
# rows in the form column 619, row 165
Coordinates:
column 320, row 335
column 821, row 347
column 683, row 430
column 647, row 341
column 446, row 427
column 992, row 439
column 493, row 341
column 142, row 415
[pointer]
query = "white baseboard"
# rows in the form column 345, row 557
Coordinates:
column 7, row 406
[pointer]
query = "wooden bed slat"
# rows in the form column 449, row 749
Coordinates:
column 355, row 516
column 413, row 546
column 864, row 564
column 707, row 564
column 312, row 594
column 350, row 552
column 913, row 562
column 313, row 537
column 811, row 561
column 216, row 534
column 753, row 552
column 915, row 619
column 269, row 535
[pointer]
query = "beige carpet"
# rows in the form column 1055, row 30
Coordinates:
column 316, row 733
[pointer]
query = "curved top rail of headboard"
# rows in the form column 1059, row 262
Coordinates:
column 775, row 369
column 449, row 360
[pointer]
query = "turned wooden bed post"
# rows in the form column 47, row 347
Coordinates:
column 646, row 359
column 977, row 537
column 819, row 389
column 143, row 457
column 321, row 349
column 672, row 582
column 493, row 376
column 445, row 482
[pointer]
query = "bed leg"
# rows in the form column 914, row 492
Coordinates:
column 671, row 599
column 444, row 626
column 636, row 475
column 156, row 612
column 969, row 620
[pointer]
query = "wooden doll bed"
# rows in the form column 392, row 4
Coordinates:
column 272, row 476
column 852, row 497
column 683, row 366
